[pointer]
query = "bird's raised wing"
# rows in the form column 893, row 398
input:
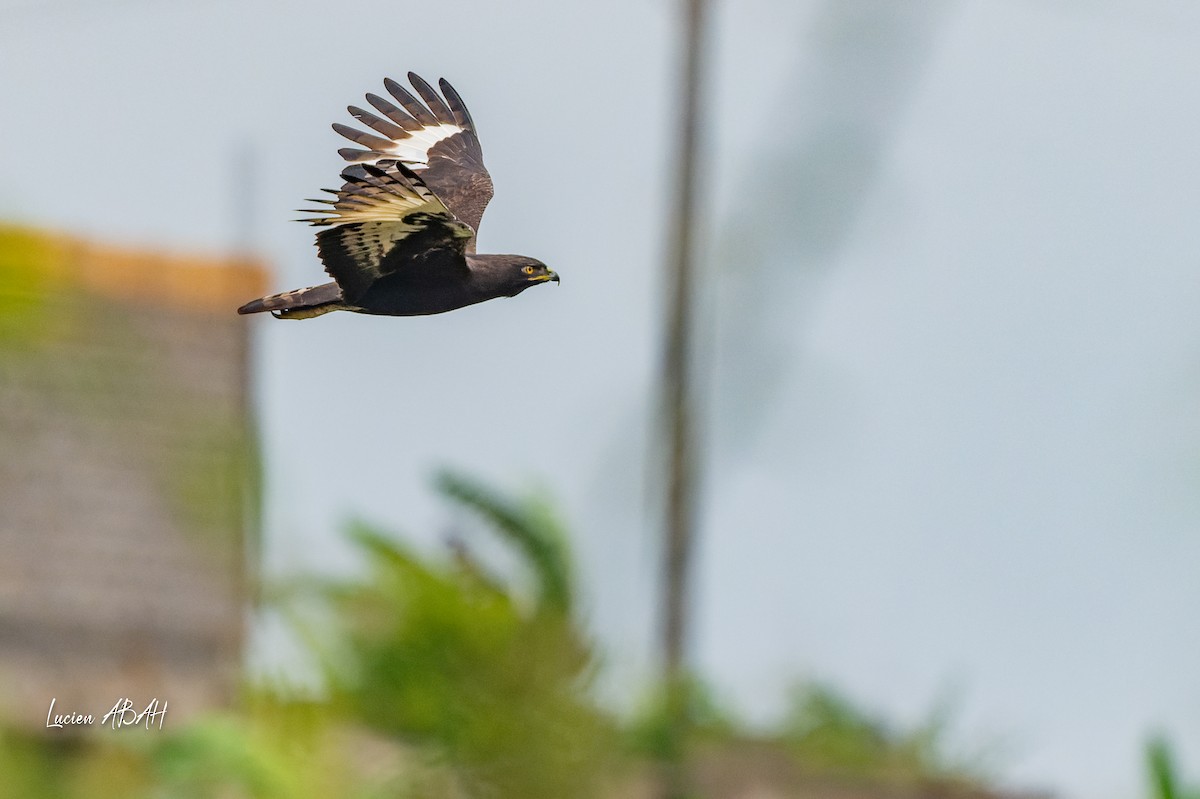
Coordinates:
column 386, row 223
column 435, row 138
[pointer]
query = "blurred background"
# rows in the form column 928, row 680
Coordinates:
column 949, row 361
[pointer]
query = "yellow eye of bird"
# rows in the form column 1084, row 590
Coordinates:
column 528, row 270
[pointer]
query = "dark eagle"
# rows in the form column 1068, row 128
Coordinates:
column 399, row 237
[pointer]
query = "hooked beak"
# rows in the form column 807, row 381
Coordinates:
column 553, row 276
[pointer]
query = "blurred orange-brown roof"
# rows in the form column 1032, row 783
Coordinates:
column 182, row 281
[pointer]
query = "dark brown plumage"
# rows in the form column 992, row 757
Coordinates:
column 399, row 237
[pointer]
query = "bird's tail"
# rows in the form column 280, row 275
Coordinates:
column 299, row 304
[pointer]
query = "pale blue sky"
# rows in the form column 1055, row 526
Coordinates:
column 953, row 321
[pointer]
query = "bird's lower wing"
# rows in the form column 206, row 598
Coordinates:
column 381, row 222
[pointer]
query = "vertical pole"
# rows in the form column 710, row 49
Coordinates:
column 677, row 400
column 247, row 466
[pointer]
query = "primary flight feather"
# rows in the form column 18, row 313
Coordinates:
column 399, row 235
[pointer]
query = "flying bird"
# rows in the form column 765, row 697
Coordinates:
column 399, row 235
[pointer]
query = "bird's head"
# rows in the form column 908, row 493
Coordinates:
column 509, row 275
column 534, row 271
column 525, row 272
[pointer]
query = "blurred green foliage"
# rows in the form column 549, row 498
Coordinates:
column 1164, row 778
column 446, row 677
column 444, row 655
column 441, row 681
column 213, row 483
column 655, row 731
column 829, row 733
column 30, row 274
column 276, row 748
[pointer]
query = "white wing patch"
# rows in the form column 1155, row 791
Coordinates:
column 406, row 127
column 413, row 149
